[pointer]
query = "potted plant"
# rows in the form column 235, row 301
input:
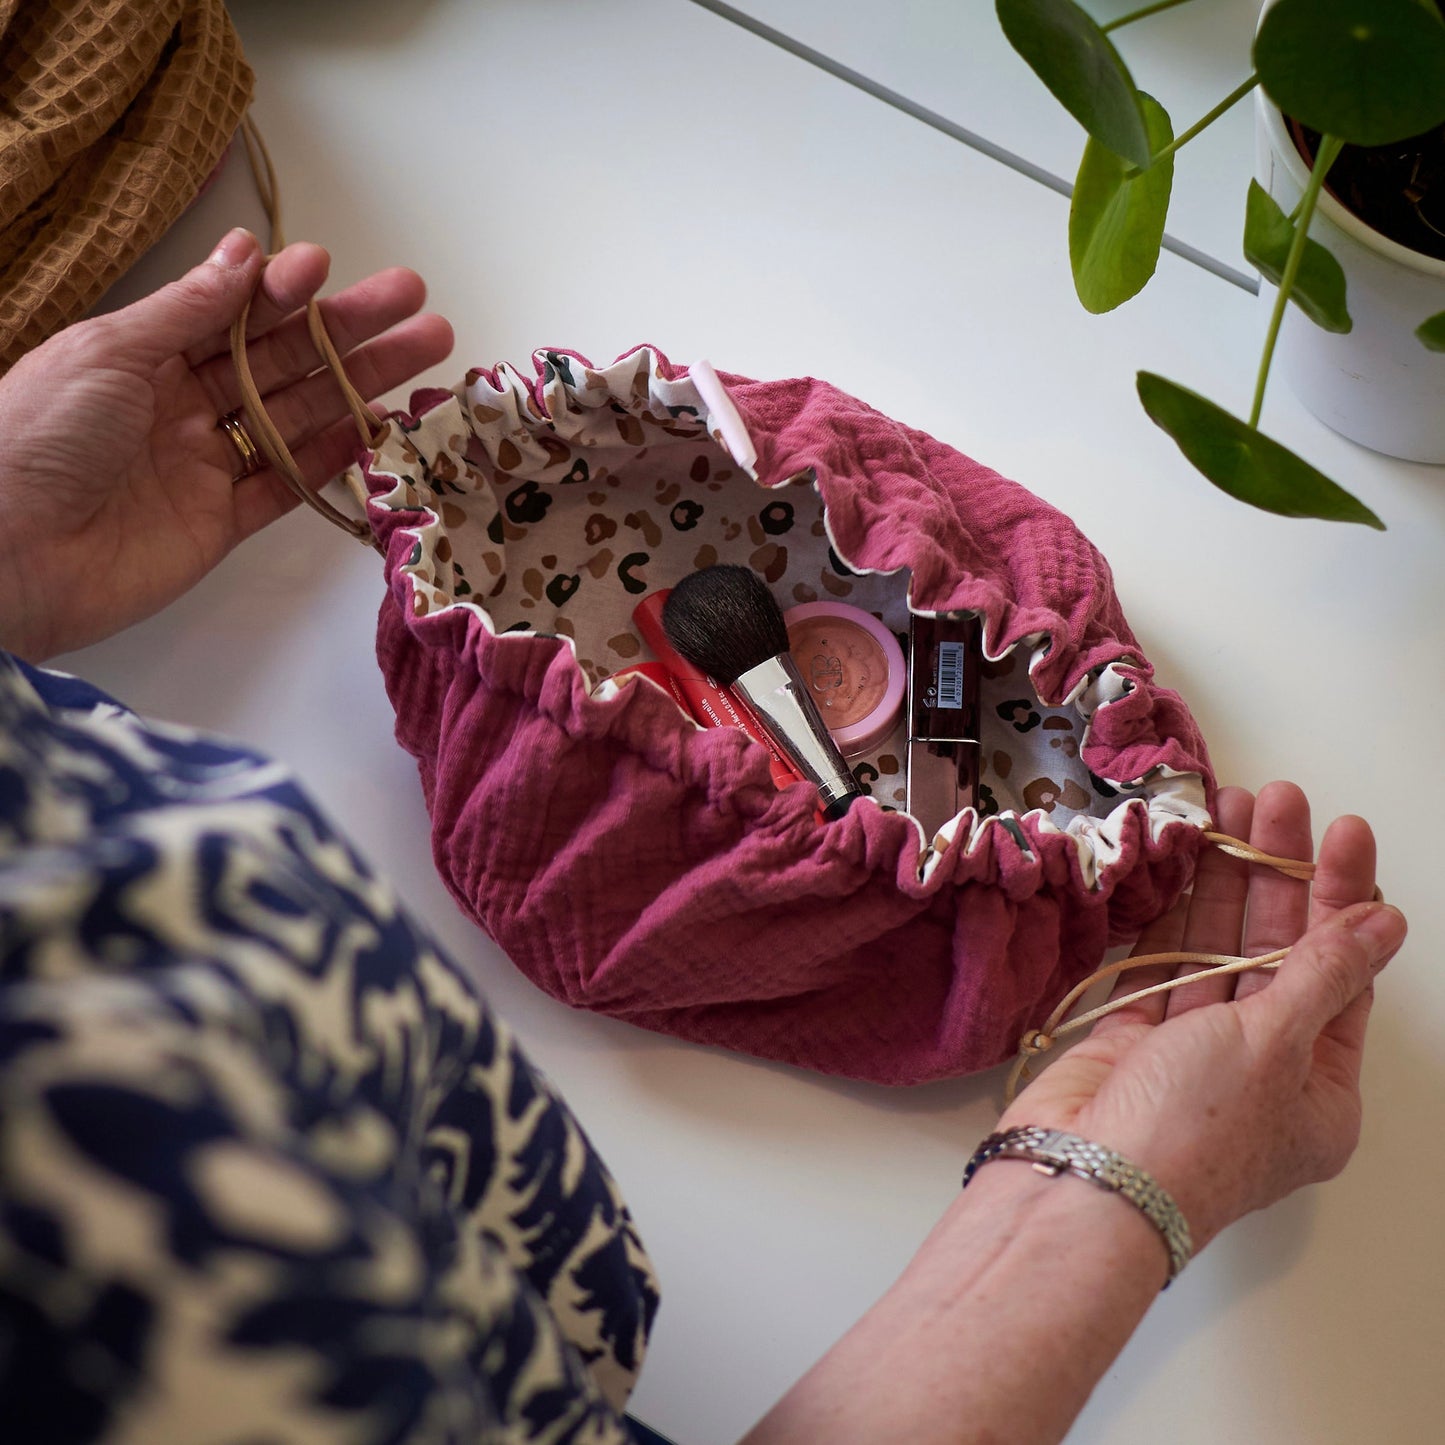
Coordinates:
column 1336, row 77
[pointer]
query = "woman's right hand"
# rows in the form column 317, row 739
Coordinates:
column 1238, row 1090
column 117, row 489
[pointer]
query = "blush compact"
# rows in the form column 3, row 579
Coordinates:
column 854, row 669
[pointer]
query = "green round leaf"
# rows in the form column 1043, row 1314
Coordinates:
column 1116, row 218
column 1244, row 462
column 1319, row 286
column 1432, row 332
column 1068, row 51
column 1369, row 71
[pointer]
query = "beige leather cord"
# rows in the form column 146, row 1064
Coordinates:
column 1290, row 867
column 1206, row 965
column 264, row 174
column 263, row 430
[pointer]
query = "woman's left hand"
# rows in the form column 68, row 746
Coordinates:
column 117, row 488
column 1233, row 1091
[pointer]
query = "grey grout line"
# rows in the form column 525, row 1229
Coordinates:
column 972, row 139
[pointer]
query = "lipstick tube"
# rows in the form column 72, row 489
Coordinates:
column 943, row 716
column 710, row 703
column 655, row 672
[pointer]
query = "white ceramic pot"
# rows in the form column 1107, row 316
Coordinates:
column 1376, row 384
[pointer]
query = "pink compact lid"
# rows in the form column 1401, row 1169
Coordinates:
column 854, row 669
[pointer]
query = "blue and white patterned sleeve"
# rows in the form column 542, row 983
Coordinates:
column 270, row 1171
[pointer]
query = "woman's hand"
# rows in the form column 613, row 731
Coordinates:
column 1232, row 1093
column 1236, row 1091
column 116, row 488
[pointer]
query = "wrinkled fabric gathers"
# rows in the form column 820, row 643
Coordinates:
column 632, row 864
column 113, row 113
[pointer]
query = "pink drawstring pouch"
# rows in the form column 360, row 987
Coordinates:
column 631, row 862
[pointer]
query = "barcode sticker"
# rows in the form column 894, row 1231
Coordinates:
column 948, row 675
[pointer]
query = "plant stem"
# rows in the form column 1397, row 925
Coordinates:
column 1330, row 147
column 1233, row 98
column 1142, row 14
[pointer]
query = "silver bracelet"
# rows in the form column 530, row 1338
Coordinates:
column 1051, row 1151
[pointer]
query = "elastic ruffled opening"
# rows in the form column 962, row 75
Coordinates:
column 548, row 506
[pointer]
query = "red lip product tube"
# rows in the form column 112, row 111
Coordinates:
column 656, row 672
column 713, row 706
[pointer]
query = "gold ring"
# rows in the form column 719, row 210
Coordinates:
column 251, row 458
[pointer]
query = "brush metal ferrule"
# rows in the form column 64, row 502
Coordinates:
column 780, row 699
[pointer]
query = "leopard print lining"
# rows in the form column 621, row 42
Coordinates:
column 557, row 518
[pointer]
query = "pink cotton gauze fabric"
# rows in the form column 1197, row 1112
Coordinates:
column 632, row 864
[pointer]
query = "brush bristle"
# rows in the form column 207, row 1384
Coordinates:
column 724, row 621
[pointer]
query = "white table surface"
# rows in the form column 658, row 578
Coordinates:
column 951, row 58
column 598, row 175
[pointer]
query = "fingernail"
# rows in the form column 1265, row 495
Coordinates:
column 235, row 248
column 1380, row 928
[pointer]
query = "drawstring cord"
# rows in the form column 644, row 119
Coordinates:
column 1207, row 965
column 262, row 429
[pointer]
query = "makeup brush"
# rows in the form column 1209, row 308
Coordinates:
column 725, row 621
